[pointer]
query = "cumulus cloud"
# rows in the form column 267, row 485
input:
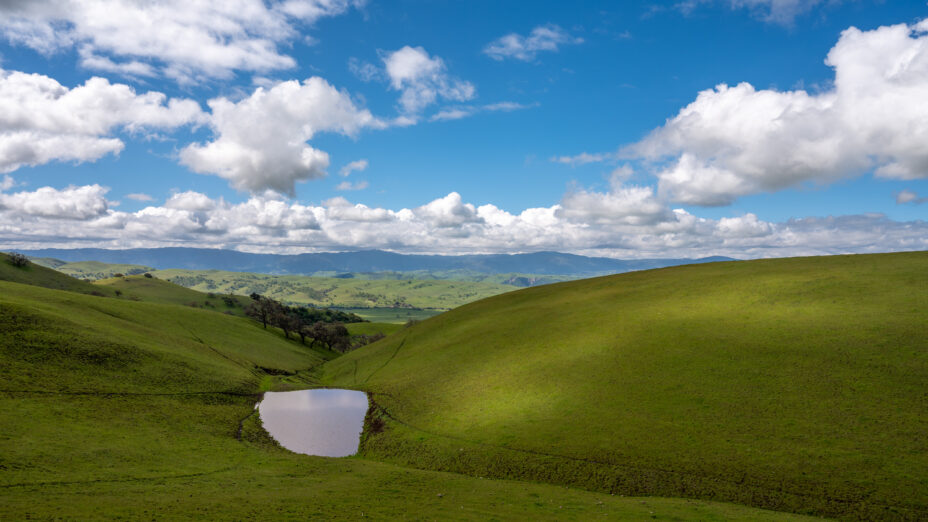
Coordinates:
column 627, row 221
column 72, row 203
column 542, row 38
column 177, row 38
column 734, row 141
column 422, row 79
column 260, row 141
column 620, row 206
column 42, row 120
column 357, row 165
column 908, row 196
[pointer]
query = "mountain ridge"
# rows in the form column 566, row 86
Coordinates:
column 362, row 261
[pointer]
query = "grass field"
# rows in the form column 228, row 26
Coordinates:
column 38, row 275
column 392, row 315
column 112, row 408
column 154, row 290
column 793, row 384
column 92, row 269
column 335, row 292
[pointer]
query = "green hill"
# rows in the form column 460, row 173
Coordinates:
column 96, row 269
column 37, row 275
column 792, row 384
column 153, row 290
column 111, row 408
column 336, row 292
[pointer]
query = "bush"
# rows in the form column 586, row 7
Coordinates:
column 119, row 275
column 18, row 260
column 118, row 293
column 147, row 275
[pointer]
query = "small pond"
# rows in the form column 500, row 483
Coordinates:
column 324, row 422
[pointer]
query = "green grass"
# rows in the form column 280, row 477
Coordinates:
column 93, row 269
column 153, row 290
column 792, row 384
column 392, row 315
column 111, row 408
column 33, row 274
column 373, row 328
column 337, row 293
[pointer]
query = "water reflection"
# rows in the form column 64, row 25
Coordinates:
column 315, row 422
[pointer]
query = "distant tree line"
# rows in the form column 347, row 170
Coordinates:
column 323, row 326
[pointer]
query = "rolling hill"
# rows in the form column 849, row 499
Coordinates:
column 335, row 292
column 791, row 384
column 112, row 408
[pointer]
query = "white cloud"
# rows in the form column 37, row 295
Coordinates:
column 7, row 183
column 620, row 206
column 79, row 203
column 42, row 120
column 583, row 158
column 347, row 185
column 779, row 11
column 357, row 165
column 422, row 79
column 190, row 200
column 448, row 212
column 782, row 12
column 626, row 222
column 465, row 111
column 525, row 48
column 734, row 141
column 908, row 196
column 185, row 40
column 138, row 196
column 261, row 140
column 365, row 71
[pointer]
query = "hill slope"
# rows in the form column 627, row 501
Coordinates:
column 111, row 408
column 793, row 384
column 37, row 275
column 153, row 290
column 335, row 292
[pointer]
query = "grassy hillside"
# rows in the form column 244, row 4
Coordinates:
column 792, row 384
column 111, row 408
column 153, row 290
column 98, row 270
column 335, row 292
column 33, row 274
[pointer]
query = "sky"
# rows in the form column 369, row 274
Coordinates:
column 744, row 128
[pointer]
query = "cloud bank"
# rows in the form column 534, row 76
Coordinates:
column 43, row 121
column 735, row 141
column 627, row 221
column 185, row 40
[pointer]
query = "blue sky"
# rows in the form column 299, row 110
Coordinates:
column 748, row 128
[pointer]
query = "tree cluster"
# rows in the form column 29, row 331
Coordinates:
column 18, row 260
column 322, row 326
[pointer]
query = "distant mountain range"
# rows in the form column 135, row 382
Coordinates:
column 361, row 261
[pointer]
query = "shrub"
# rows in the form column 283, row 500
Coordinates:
column 147, row 275
column 118, row 293
column 18, row 260
column 119, row 275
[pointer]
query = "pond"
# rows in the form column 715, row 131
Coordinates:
column 325, row 422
